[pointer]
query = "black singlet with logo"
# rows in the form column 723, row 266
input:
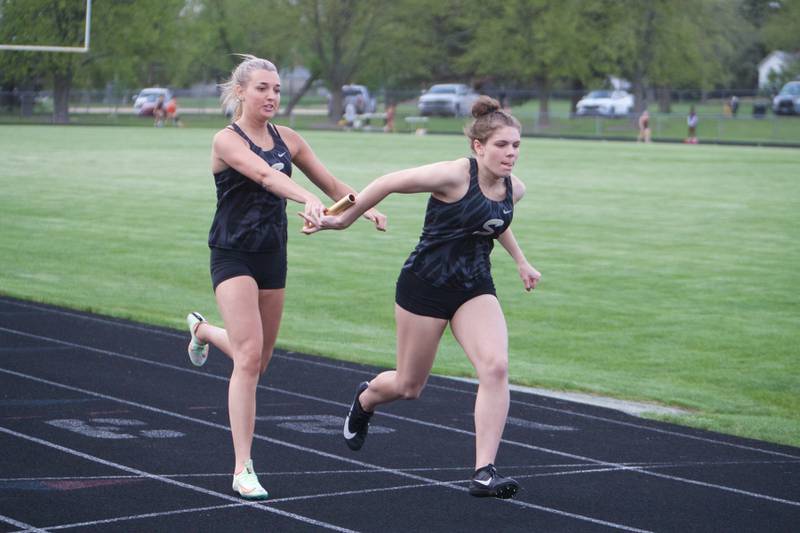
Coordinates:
column 457, row 238
column 248, row 217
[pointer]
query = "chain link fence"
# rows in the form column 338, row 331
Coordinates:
column 751, row 121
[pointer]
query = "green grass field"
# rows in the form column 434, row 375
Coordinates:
column 670, row 272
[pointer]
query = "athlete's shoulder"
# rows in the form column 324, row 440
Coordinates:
column 225, row 139
column 225, row 144
column 455, row 170
column 447, row 180
column 293, row 140
column 287, row 133
column 518, row 186
column 225, row 134
column 463, row 163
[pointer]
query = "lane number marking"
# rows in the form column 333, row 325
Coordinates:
column 113, row 428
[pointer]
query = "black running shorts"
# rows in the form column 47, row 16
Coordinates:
column 417, row 296
column 267, row 268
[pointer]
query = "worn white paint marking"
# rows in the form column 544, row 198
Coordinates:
column 142, row 516
column 169, row 481
column 521, row 422
column 317, row 424
column 111, row 428
column 298, row 447
column 567, row 412
column 28, row 527
column 411, row 420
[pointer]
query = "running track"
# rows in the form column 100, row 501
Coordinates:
column 105, row 426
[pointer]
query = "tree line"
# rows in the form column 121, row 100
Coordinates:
column 658, row 45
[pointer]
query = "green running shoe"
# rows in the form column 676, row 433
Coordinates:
column 198, row 350
column 247, row 485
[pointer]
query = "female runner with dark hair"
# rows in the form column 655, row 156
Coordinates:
column 447, row 279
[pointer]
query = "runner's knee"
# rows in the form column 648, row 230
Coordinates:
column 495, row 369
column 247, row 358
column 410, row 390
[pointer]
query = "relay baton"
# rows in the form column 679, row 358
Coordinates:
column 342, row 205
column 339, row 207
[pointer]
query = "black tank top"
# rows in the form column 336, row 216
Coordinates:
column 250, row 218
column 457, row 238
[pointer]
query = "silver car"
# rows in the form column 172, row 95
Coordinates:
column 359, row 96
column 145, row 101
column 448, row 99
column 787, row 102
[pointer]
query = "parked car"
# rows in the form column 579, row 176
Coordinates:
column 145, row 101
column 359, row 96
column 449, row 99
column 787, row 102
column 605, row 102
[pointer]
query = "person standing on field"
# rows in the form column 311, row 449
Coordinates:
column 159, row 112
column 252, row 161
column 691, row 123
column 172, row 112
column 644, row 127
column 447, row 280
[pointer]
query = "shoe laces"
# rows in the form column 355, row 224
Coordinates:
column 489, row 470
column 247, row 479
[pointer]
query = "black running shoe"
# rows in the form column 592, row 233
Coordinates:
column 357, row 422
column 487, row 482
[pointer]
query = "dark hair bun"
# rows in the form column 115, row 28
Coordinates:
column 484, row 105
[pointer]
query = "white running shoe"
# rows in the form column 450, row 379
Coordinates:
column 247, row 485
column 198, row 350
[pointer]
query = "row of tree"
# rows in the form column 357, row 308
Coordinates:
column 659, row 45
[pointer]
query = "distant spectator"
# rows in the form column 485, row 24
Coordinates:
column 390, row 111
column 644, row 127
column 172, row 112
column 159, row 112
column 691, row 122
column 734, row 103
column 503, row 98
column 350, row 115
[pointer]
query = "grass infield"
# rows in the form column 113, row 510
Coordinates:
column 669, row 271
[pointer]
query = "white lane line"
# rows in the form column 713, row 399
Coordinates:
column 303, row 360
column 63, row 312
column 665, row 431
column 142, row 516
column 29, row 349
column 390, row 415
column 169, row 481
column 298, row 447
column 151, row 329
column 293, row 473
column 410, row 420
column 407, row 419
column 394, row 488
column 364, row 491
column 17, row 523
column 613, row 464
column 561, row 411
